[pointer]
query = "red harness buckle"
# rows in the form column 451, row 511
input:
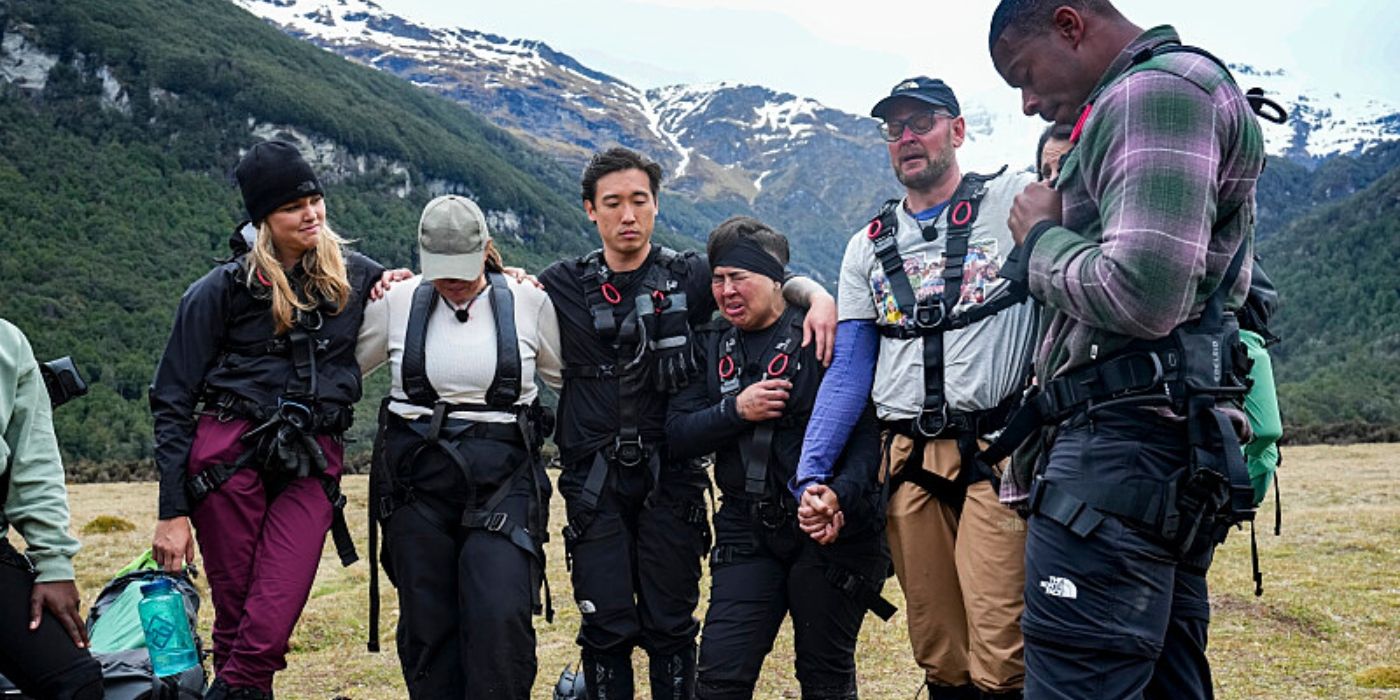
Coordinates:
column 875, row 229
column 782, row 368
column 962, row 213
column 610, row 293
column 726, row 367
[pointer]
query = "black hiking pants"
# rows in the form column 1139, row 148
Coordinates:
column 466, row 596
column 760, row 575
column 1112, row 613
column 636, row 566
column 43, row 663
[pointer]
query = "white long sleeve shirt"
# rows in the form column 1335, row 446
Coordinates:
column 460, row 357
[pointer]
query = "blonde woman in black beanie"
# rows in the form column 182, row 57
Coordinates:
column 249, row 402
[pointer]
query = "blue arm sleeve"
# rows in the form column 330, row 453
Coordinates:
column 843, row 394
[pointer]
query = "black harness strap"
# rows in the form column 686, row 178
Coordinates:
column 932, row 316
column 628, row 341
column 929, row 319
column 378, row 511
column 505, row 386
column 414, row 371
column 1263, row 107
column 438, row 433
column 881, row 233
column 779, row 361
column 1191, row 370
column 490, row 519
column 860, row 589
column 602, row 295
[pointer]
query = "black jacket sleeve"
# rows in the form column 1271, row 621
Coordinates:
column 370, row 269
column 699, row 296
column 194, row 344
column 695, row 423
column 857, row 480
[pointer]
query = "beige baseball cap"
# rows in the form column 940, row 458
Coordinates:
column 452, row 239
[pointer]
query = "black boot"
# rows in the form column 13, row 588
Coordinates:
column 608, row 676
column 830, row 692
column 673, row 675
column 219, row 690
column 952, row 692
column 1017, row 694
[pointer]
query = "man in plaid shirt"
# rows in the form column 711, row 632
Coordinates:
column 1151, row 204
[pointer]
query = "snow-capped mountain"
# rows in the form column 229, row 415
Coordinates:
column 1321, row 123
column 815, row 171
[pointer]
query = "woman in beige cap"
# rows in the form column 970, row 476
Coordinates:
column 458, row 484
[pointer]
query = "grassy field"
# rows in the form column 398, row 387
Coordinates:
column 1328, row 625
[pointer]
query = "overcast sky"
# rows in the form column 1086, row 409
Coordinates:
column 847, row 54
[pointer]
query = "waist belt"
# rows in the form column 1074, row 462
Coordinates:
column 458, row 428
column 321, row 418
column 771, row 513
column 973, row 423
column 964, row 427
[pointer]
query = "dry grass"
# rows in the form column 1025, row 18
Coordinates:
column 1328, row 625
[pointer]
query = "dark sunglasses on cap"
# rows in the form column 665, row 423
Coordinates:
column 893, row 129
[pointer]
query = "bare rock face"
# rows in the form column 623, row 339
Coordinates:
column 23, row 64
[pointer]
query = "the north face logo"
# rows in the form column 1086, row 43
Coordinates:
column 1059, row 587
column 307, row 186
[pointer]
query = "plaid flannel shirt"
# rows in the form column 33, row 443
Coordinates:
column 1168, row 150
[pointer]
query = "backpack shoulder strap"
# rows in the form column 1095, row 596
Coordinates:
column 505, row 386
column 414, row 372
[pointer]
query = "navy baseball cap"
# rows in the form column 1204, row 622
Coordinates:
column 924, row 89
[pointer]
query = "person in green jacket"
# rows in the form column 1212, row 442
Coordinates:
column 43, row 640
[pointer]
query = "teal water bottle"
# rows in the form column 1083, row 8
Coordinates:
column 168, row 637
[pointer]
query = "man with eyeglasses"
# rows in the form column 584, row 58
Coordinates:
column 944, row 369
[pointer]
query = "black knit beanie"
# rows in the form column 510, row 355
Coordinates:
column 272, row 174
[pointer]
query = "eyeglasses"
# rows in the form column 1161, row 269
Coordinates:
column 893, row 129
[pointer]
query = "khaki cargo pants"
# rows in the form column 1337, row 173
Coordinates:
column 963, row 577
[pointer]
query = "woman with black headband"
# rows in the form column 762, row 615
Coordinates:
column 751, row 411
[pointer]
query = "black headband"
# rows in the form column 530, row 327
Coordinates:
column 746, row 254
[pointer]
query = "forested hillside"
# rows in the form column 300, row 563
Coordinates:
column 1338, row 269
column 1289, row 191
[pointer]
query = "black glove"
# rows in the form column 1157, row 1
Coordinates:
column 298, row 452
column 665, row 321
column 286, row 443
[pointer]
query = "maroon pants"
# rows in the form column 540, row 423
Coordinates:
column 260, row 555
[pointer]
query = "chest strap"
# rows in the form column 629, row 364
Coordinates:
column 779, row 361
column 504, row 390
column 929, row 318
column 660, row 293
